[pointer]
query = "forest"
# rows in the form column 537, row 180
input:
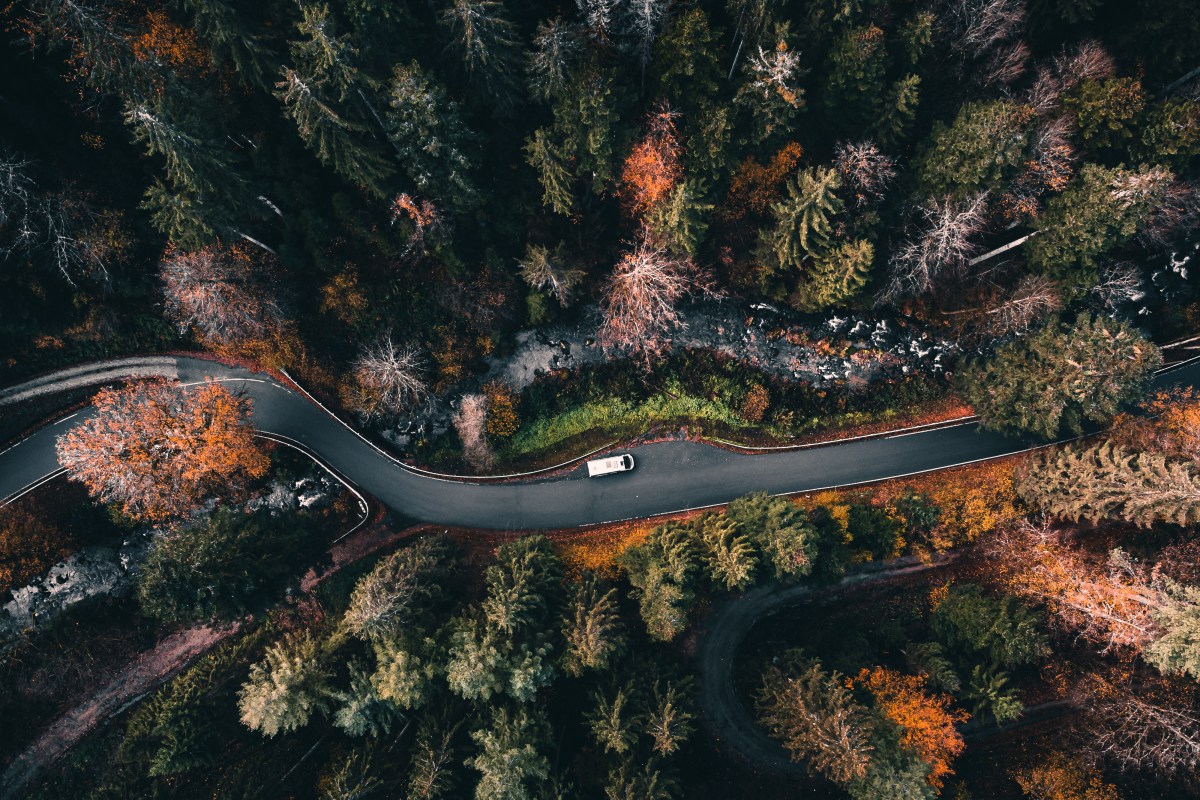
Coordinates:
column 490, row 236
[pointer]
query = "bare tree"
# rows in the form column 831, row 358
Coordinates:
column 944, row 246
column 549, row 271
column 865, row 171
column 599, row 15
column 639, row 303
column 1177, row 211
column 388, row 379
column 775, row 73
column 1035, row 298
column 1089, row 61
column 980, row 25
column 1143, row 732
column 213, row 291
column 1120, row 282
column 645, row 18
column 1006, row 64
column 470, row 421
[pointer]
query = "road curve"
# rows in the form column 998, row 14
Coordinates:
column 670, row 476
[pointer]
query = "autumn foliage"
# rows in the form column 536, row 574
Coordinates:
column 652, row 169
column 155, row 449
column 502, row 403
column 756, row 186
column 927, row 723
column 28, row 546
column 1170, row 425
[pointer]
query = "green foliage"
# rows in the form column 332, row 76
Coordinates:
column 928, row 659
column 613, row 724
column 226, row 566
column 669, row 720
column 732, row 560
column 286, row 688
column 361, row 710
column 506, row 646
column 894, row 772
column 1101, row 209
column 814, row 715
column 681, row 220
column 401, row 590
column 434, row 753
column 1170, row 133
column 1007, row 633
column 662, row 572
column 508, row 760
column 873, row 530
column 781, row 530
column 1061, row 376
column 1106, row 112
column 420, row 112
column 1107, row 481
column 992, row 696
column 1177, row 650
column 803, row 222
column 835, row 276
column 404, row 672
column 984, row 146
column 592, row 627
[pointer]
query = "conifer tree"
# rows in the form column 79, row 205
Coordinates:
column 835, row 276
column 592, row 626
column 613, row 722
column 1061, row 376
column 731, row 557
column 803, row 221
column 508, row 760
column 286, row 688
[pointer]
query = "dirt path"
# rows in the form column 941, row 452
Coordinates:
column 147, row 671
column 725, row 715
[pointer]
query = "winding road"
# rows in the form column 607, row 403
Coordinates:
column 670, row 476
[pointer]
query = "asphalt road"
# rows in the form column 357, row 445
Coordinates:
column 670, row 476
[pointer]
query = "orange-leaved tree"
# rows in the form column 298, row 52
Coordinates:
column 652, row 168
column 156, row 449
column 927, row 723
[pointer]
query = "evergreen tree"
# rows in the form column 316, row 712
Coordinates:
column 404, row 671
column 509, row 763
column 669, row 720
column 686, row 73
column 629, row 782
column 731, row 557
column 1100, row 210
column 781, row 531
column 970, row 622
column 321, row 94
column 592, row 626
column 771, row 92
column 231, row 38
column 1105, row 113
column 835, row 276
column 612, row 722
column 431, row 776
column 983, row 148
column 1170, row 133
column 1107, row 481
column 1177, row 649
column 928, row 660
column 803, row 222
column 555, row 47
column 988, row 689
column 286, row 688
column 224, row 567
column 661, row 571
column 433, row 144
column 681, row 220
column 485, row 41
column 1061, row 376
column 549, row 160
column 813, row 714
column 361, row 711
column 401, row 589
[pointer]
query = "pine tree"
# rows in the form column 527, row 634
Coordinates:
column 551, row 271
column 813, row 714
column 555, row 46
column 612, row 722
column 431, row 776
column 547, row 157
column 322, row 93
column 399, row 592
column 983, row 148
column 681, row 219
column 669, row 719
column 592, row 626
column 508, row 759
column 1107, row 481
column 286, row 688
column 485, row 41
column 1177, row 649
column 835, row 277
column 1101, row 209
column 361, row 711
column 803, row 221
column 661, row 571
column 1061, row 376
column 781, row 531
column 771, row 92
column 731, row 557
column 231, row 39
column 404, row 671
column 433, row 144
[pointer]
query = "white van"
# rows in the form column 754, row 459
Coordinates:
column 607, row 466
